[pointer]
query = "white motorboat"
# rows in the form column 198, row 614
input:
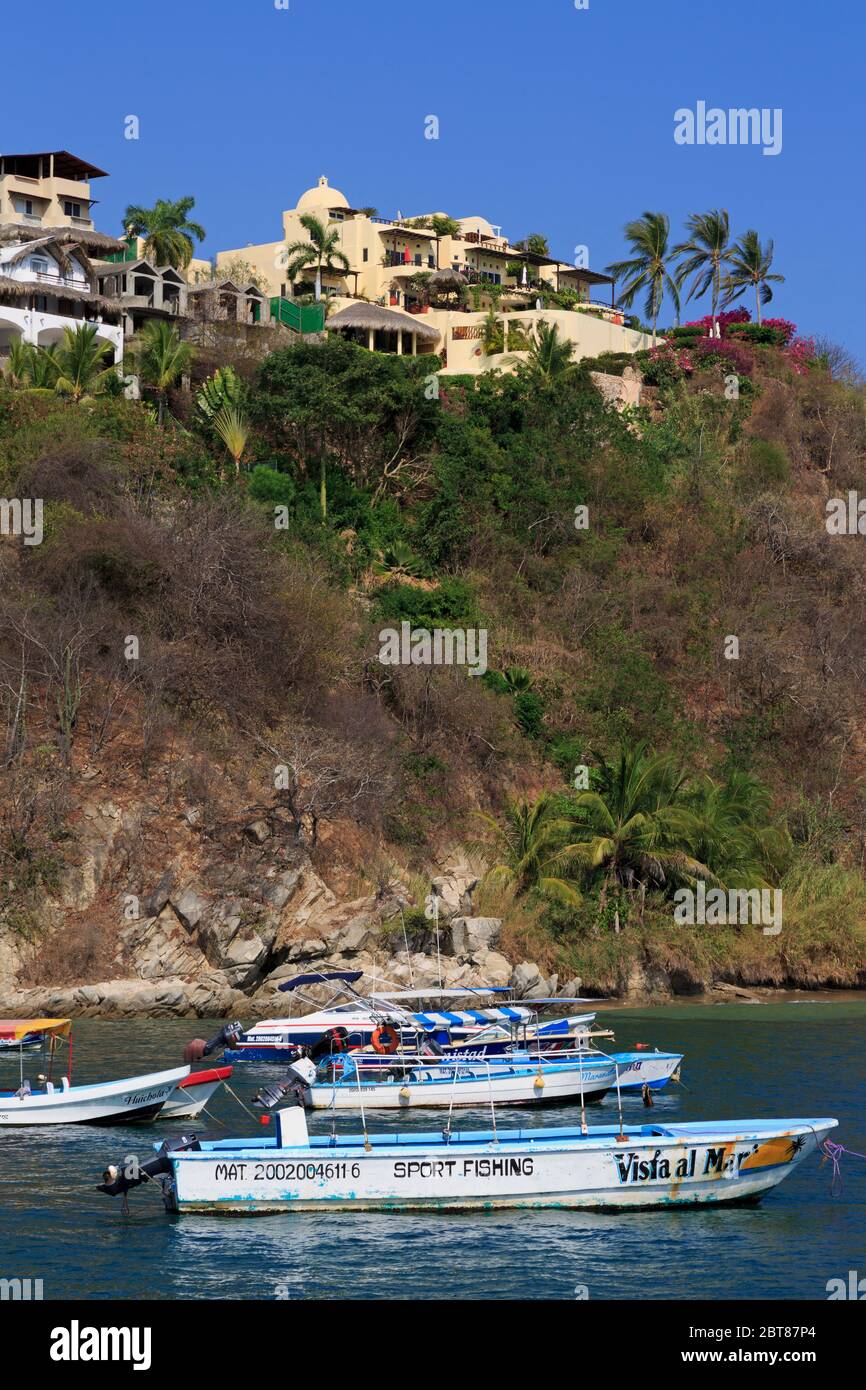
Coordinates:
column 605, row 1167
column 340, row 1083
column 130, row 1100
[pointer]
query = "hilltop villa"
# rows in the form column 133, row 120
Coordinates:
column 403, row 289
column 400, row 271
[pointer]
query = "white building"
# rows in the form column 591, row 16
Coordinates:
column 46, row 287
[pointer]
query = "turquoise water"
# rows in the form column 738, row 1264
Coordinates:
column 803, row 1059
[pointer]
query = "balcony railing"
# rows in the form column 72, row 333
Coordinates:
column 55, row 279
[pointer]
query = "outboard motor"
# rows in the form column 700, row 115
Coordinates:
column 227, row 1036
column 334, row 1040
column 117, row 1182
column 300, row 1075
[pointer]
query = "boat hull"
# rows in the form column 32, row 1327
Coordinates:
column 131, row 1100
column 652, row 1069
column 682, row 1165
column 192, row 1094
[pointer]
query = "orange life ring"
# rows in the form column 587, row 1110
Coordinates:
column 385, row 1039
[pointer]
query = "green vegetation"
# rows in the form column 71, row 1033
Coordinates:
column 613, row 751
column 169, row 235
column 321, row 250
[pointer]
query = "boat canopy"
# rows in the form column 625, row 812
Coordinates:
column 473, row 991
column 14, row 1029
column 347, row 976
column 429, row 1020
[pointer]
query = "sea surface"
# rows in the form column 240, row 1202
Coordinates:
column 789, row 1059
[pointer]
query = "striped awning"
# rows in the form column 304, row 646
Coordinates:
column 451, row 1019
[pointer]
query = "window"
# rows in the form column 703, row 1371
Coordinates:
column 28, row 206
column 366, row 254
column 39, row 265
column 71, row 209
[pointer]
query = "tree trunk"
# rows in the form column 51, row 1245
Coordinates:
column 318, row 282
column 758, row 299
column 323, row 486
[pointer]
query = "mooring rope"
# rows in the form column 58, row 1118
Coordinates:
column 834, row 1152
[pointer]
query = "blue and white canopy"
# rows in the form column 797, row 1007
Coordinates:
column 449, row 1019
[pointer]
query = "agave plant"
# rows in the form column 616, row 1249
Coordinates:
column 398, row 561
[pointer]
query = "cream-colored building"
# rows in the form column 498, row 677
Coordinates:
column 391, row 260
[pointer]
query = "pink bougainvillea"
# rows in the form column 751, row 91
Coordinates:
column 723, row 319
column 783, row 326
column 723, row 350
column 800, row 354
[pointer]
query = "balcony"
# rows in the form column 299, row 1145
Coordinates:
column 55, row 280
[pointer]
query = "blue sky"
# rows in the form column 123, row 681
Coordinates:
column 551, row 118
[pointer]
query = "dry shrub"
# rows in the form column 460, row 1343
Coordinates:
column 83, row 474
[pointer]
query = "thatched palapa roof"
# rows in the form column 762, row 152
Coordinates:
column 447, row 280
column 367, row 316
column 94, row 241
column 22, row 289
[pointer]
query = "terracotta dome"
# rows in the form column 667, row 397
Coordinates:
column 322, row 196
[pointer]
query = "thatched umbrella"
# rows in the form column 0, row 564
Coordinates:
column 447, row 280
column 372, row 318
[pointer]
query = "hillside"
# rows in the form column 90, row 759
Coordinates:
column 210, row 776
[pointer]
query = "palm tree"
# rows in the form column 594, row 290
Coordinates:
column 638, row 829
column 536, row 244
column 647, row 269
column 167, row 231
column 233, row 429
column 550, row 357
column 19, row 371
column 707, row 251
column 78, row 361
column 525, row 844
column 737, row 834
column 442, row 225
column 162, row 358
column 494, row 334
column 320, row 251
column 750, row 265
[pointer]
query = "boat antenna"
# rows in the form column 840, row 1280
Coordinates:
column 367, row 1144
column 455, row 1069
column 492, row 1106
column 435, row 905
column 406, row 945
